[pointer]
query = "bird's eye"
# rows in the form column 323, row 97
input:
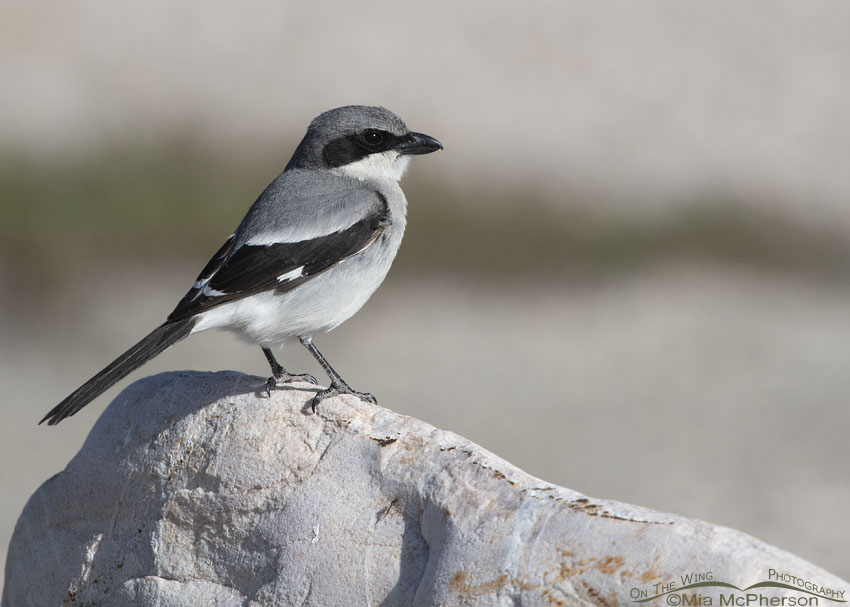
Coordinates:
column 373, row 138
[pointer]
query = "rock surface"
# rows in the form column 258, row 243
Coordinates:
column 198, row 489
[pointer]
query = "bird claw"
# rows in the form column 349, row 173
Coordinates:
column 306, row 377
column 288, row 378
column 336, row 390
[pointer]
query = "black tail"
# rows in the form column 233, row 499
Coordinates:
column 157, row 340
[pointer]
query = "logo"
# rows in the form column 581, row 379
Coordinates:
column 701, row 589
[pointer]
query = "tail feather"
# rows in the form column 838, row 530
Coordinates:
column 156, row 341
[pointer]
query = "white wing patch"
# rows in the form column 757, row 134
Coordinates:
column 210, row 292
column 292, row 274
column 202, row 287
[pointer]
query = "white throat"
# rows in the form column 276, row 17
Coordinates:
column 381, row 165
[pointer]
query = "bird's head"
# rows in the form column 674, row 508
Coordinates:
column 364, row 142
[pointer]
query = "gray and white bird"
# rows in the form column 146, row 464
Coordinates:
column 308, row 254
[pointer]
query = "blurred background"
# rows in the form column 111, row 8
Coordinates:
column 627, row 273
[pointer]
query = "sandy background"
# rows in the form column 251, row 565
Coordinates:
column 626, row 273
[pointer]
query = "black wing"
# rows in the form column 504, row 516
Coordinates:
column 281, row 266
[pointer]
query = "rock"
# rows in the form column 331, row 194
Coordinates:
column 198, row 489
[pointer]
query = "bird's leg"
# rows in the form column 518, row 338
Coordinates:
column 281, row 374
column 338, row 385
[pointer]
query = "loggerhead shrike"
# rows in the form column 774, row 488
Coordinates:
column 308, row 254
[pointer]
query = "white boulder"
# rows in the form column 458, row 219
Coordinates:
column 198, row 489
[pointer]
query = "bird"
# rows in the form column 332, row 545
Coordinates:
column 308, row 254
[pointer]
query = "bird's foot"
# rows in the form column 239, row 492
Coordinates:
column 285, row 377
column 343, row 388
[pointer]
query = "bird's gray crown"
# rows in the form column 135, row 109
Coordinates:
column 347, row 134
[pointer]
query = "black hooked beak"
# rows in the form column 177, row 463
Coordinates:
column 418, row 143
